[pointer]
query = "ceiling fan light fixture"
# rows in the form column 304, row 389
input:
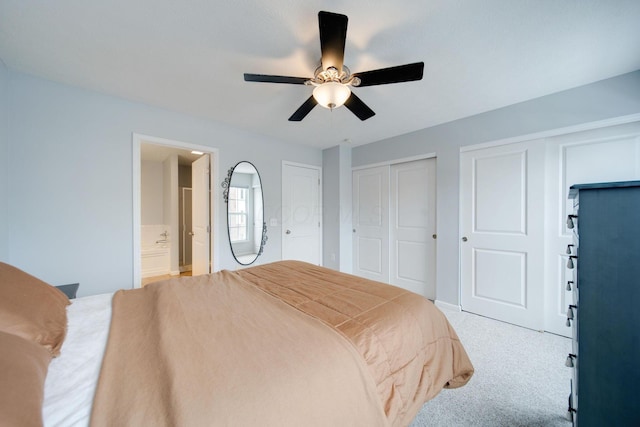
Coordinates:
column 331, row 94
column 332, row 80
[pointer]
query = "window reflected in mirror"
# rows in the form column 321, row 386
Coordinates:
column 245, row 212
column 238, row 214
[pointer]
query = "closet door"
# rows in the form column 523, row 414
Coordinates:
column 413, row 226
column 371, row 223
column 601, row 155
column 301, row 208
column 394, row 225
column 502, row 232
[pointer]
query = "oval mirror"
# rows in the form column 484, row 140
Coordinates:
column 245, row 212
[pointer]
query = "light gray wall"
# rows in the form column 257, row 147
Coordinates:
column 336, row 207
column 331, row 207
column 346, row 223
column 70, row 208
column 615, row 97
column 4, row 173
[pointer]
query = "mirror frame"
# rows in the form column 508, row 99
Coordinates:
column 226, row 185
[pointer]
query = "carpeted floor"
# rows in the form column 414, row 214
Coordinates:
column 520, row 378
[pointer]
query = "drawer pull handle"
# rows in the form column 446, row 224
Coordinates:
column 570, row 263
column 570, row 314
column 569, row 362
column 569, row 285
column 569, row 249
column 570, row 223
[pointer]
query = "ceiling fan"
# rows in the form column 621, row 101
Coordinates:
column 332, row 79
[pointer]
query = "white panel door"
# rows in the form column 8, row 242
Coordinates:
column 413, row 226
column 371, row 223
column 200, row 214
column 301, row 226
column 502, row 232
column 602, row 155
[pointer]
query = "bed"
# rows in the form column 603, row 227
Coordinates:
column 286, row 343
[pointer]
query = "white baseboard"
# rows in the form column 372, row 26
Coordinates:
column 174, row 273
column 447, row 306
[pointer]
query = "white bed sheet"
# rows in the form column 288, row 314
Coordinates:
column 72, row 377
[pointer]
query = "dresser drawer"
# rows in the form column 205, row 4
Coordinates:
column 605, row 292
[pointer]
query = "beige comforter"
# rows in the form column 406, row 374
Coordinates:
column 284, row 344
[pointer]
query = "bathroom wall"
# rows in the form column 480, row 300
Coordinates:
column 152, row 193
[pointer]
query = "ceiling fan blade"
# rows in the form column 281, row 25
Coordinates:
column 397, row 74
column 274, row 79
column 333, row 34
column 304, row 109
column 358, row 107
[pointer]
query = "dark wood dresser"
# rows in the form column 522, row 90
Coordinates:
column 605, row 311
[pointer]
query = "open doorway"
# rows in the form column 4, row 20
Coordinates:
column 173, row 233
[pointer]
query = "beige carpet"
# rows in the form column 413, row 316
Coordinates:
column 520, row 378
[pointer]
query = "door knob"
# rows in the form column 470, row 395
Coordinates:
column 464, row 239
column 191, row 233
column 288, row 231
column 435, row 236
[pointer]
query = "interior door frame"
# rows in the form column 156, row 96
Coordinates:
column 286, row 163
column 214, row 209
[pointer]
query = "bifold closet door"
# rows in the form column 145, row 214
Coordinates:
column 412, row 219
column 371, row 223
column 394, row 223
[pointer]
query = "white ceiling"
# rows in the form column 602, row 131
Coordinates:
column 190, row 55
